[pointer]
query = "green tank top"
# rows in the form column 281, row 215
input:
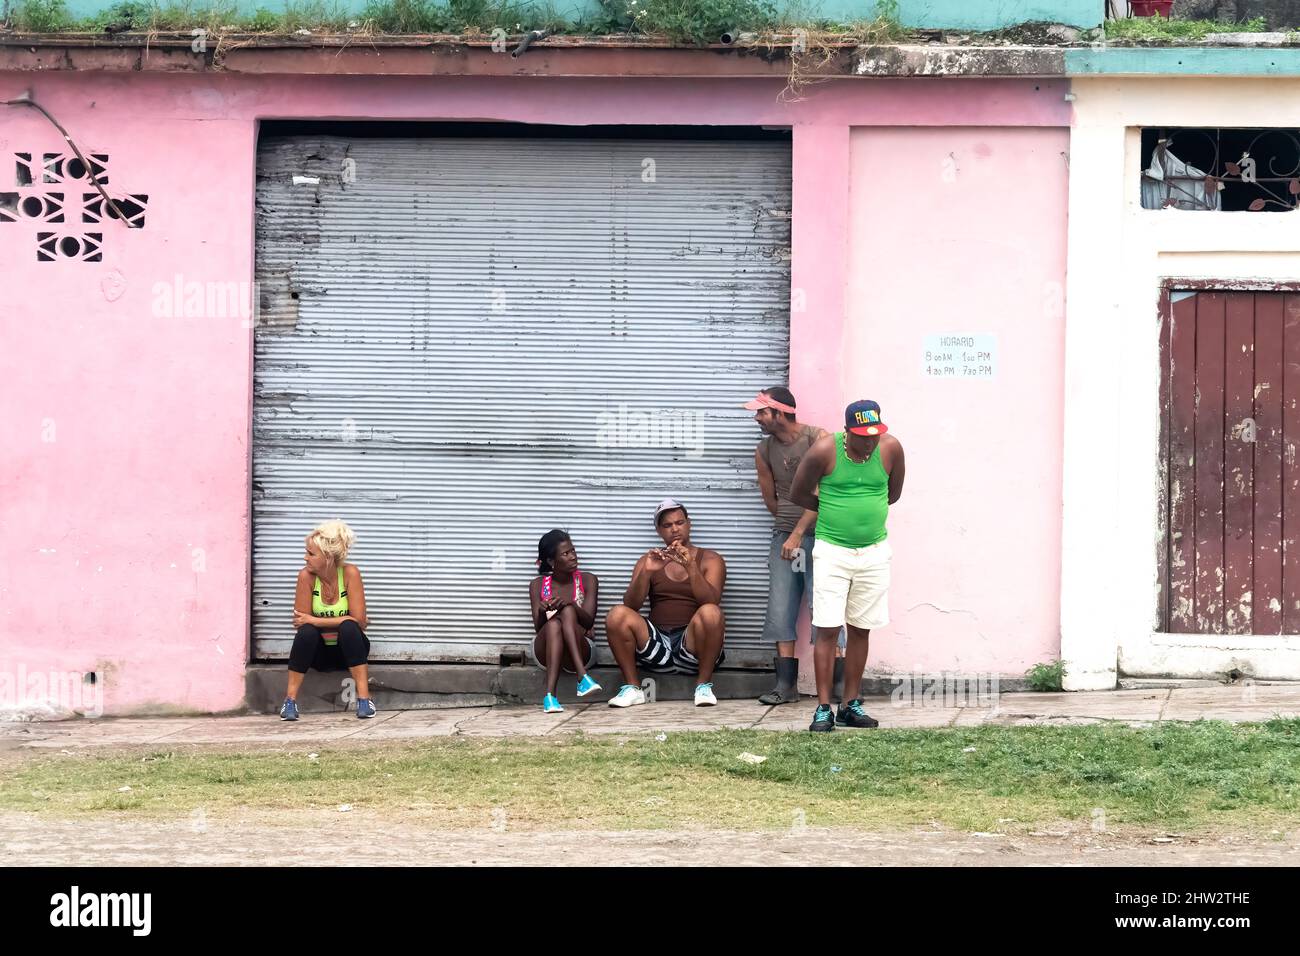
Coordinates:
column 853, row 500
column 338, row 609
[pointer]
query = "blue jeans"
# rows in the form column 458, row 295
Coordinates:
column 787, row 589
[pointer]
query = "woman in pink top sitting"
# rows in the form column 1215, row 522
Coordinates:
column 563, row 601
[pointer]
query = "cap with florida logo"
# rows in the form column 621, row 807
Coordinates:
column 863, row 418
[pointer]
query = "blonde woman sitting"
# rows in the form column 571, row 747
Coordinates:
column 329, row 611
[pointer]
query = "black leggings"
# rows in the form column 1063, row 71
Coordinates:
column 310, row 650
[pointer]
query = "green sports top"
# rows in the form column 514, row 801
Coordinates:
column 338, row 609
column 853, row 500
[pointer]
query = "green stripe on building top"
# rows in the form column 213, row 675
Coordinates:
column 987, row 14
column 1182, row 61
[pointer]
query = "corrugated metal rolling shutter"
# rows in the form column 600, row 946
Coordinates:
column 456, row 339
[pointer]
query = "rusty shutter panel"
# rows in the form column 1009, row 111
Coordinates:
column 1290, row 468
column 466, row 342
column 1239, row 462
column 1266, row 607
column 1231, row 378
column 1180, row 363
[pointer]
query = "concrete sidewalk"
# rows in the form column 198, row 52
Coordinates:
column 1236, row 703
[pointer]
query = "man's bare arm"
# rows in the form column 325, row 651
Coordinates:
column 707, row 578
column 639, row 587
column 896, row 472
column 766, row 481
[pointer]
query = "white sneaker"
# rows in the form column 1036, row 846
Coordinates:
column 704, row 696
column 627, row 696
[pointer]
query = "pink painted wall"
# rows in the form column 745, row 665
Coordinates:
column 963, row 230
column 127, row 459
column 124, row 528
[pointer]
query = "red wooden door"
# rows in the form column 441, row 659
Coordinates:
column 1230, row 392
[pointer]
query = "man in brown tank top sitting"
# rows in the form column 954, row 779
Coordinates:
column 683, row 632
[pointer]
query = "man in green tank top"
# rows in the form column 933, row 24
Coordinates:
column 850, row 479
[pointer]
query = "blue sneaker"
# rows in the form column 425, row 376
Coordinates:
column 551, row 705
column 586, row 685
column 289, row 709
column 365, row 708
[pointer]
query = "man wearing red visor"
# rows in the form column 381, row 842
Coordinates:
column 789, row 562
column 850, row 479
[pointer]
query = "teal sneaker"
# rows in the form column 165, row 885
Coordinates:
column 853, row 715
column 823, row 719
column 587, row 685
column 551, row 705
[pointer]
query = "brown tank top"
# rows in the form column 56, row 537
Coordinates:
column 672, row 603
column 784, row 462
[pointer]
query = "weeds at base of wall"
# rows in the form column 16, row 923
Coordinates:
column 1046, row 677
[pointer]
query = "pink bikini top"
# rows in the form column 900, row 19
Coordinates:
column 577, row 588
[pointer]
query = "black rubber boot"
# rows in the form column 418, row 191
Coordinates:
column 837, row 688
column 787, row 682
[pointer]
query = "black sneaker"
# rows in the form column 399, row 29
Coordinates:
column 852, row 715
column 823, row 719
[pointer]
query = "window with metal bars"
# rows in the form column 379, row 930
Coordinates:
column 1228, row 170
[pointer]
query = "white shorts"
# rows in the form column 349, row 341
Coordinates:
column 851, row 584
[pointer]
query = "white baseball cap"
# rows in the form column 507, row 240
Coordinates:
column 668, row 504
